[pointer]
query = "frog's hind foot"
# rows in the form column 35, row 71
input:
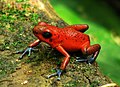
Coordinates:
column 89, row 59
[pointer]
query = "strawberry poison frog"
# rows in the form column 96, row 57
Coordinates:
column 68, row 39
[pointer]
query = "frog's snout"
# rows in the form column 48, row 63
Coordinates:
column 38, row 29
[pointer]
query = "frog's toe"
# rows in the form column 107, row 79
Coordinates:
column 81, row 60
column 20, row 51
column 58, row 73
column 24, row 52
column 91, row 60
column 78, row 57
column 28, row 50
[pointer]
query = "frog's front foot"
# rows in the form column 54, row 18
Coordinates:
column 58, row 73
column 28, row 50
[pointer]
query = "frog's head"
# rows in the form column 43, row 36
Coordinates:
column 42, row 32
column 45, row 33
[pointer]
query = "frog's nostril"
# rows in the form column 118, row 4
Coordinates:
column 35, row 30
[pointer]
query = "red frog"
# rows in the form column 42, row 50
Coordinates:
column 68, row 39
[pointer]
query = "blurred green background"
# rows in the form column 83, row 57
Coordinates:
column 103, row 18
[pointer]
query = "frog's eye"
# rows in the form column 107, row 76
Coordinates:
column 46, row 34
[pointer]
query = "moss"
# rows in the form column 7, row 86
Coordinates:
column 16, row 23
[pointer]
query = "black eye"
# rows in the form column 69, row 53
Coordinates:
column 46, row 34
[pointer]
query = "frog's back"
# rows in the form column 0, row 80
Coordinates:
column 73, row 40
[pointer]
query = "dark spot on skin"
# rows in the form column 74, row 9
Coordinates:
column 83, row 38
column 50, row 40
column 57, row 36
column 76, row 40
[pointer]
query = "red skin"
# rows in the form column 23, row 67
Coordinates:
column 67, row 39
